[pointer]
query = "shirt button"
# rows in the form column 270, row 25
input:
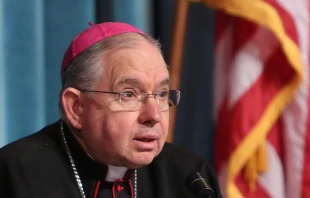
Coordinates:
column 119, row 188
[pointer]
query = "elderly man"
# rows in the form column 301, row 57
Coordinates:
column 110, row 141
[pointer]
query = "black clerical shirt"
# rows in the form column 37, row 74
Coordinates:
column 38, row 166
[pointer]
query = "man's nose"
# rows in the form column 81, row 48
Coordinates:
column 150, row 112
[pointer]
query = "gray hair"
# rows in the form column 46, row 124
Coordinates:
column 84, row 71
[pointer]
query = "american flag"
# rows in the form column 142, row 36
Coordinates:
column 262, row 98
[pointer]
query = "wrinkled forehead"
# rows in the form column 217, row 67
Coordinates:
column 142, row 65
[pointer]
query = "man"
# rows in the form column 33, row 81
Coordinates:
column 110, row 141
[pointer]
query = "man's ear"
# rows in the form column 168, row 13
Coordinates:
column 71, row 102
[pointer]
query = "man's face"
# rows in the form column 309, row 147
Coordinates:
column 120, row 137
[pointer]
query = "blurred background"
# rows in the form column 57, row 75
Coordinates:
column 244, row 79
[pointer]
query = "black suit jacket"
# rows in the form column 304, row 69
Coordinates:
column 37, row 166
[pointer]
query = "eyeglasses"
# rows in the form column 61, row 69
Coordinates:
column 131, row 100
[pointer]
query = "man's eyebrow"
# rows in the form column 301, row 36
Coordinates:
column 136, row 82
column 129, row 81
column 165, row 82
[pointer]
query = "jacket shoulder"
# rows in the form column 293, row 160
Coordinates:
column 25, row 163
column 30, row 145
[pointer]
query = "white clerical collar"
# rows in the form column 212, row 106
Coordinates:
column 115, row 173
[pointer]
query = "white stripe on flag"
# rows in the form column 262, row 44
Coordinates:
column 249, row 62
column 222, row 62
column 272, row 181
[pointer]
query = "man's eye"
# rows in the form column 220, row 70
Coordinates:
column 128, row 94
column 163, row 94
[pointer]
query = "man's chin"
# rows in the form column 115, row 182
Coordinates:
column 140, row 160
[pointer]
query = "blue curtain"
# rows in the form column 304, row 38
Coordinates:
column 33, row 37
column 136, row 12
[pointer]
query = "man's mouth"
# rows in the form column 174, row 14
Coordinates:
column 146, row 143
column 145, row 139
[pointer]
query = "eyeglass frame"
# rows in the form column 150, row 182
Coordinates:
column 178, row 93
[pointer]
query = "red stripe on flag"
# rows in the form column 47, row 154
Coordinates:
column 222, row 22
column 288, row 21
column 222, row 136
column 275, row 138
column 243, row 31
